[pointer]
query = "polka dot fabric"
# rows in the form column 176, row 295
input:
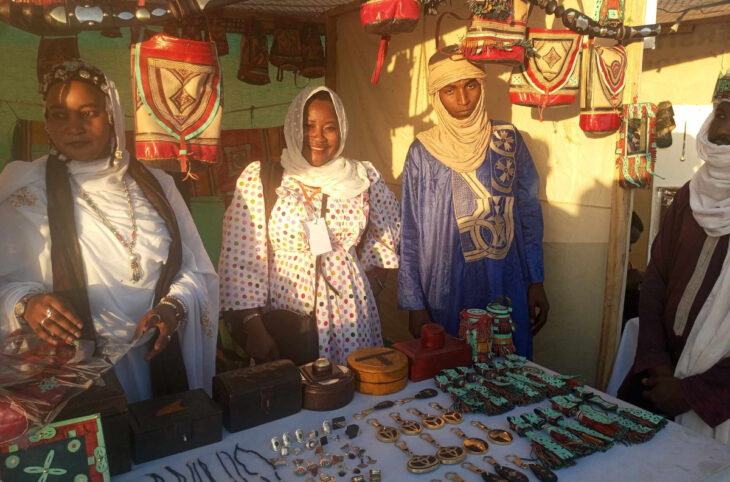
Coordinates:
column 249, row 279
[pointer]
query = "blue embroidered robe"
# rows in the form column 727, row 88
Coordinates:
column 506, row 228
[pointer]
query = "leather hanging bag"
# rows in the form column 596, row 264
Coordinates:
column 254, row 63
column 603, row 78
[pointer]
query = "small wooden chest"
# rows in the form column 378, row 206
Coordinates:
column 430, row 354
column 174, row 423
column 378, row 371
column 259, row 394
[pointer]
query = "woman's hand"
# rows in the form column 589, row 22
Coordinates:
column 162, row 317
column 53, row 319
column 259, row 344
column 248, row 331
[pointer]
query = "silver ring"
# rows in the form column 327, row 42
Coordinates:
column 49, row 313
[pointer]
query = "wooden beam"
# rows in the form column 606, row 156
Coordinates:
column 330, row 79
column 347, row 8
column 621, row 200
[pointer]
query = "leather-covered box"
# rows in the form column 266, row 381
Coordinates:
column 174, row 423
column 378, row 371
column 326, row 385
column 259, row 394
column 433, row 352
column 107, row 398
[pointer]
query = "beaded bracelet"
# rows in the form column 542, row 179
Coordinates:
column 181, row 312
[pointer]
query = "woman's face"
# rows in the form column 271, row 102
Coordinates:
column 321, row 133
column 77, row 121
column 460, row 98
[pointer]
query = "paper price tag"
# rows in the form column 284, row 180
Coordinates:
column 318, row 236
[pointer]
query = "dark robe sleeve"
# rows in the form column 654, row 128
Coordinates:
column 652, row 349
column 708, row 393
column 410, row 291
column 528, row 205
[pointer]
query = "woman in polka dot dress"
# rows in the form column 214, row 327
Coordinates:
column 363, row 227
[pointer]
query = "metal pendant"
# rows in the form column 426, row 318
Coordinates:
column 498, row 436
column 407, row 427
column 431, row 422
column 451, row 455
column 384, row 433
column 475, row 446
column 448, row 415
column 420, row 464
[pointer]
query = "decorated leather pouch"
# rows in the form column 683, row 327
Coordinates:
column 254, row 63
column 217, row 33
column 67, row 450
column 384, row 18
column 497, row 32
column 313, row 60
column 636, row 146
column 53, row 51
column 174, row 423
column 603, row 77
column 286, row 50
column 177, row 86
column 552, row 76
column 255, row 395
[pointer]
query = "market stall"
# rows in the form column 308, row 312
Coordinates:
column 587, row 102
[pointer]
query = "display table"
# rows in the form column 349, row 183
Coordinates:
column 674, row 454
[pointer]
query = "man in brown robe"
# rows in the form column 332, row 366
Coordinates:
column 682, row 368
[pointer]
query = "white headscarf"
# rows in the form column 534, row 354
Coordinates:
column 709, row 189
column 340, row 178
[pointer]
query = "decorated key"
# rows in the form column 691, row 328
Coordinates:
column 498, row 436
column 418, row 464
column 454, row 477
column 473, row 445
column 486, row 476
column 407, row 427
column 448, row 455
column 447, row 414
column 508, row 473
column 384, row 433
column 380, row 406
column 431, row 422
column 543, row 474
column 424, row 394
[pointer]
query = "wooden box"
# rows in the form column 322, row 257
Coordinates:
column 174, row 423
column 378, row 371
column 259, row 394
column 326, row 385
column 429, row 355
column 107, row 398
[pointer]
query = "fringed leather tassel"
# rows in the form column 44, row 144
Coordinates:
column 382, row 52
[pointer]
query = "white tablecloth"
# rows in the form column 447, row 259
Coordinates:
column 674, row 454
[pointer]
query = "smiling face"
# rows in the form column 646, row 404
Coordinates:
column 321, row 132
column 460, row 98
column 77, row 121
column 719, row 130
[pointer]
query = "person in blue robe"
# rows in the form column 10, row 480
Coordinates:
column 471, row 220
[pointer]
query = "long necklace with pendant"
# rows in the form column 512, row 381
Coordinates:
column 134, row 258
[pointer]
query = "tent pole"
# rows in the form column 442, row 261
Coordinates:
column 621, row 200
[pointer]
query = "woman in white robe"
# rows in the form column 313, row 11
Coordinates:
column 123, row 241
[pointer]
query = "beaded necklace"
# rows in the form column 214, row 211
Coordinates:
column 133, row 256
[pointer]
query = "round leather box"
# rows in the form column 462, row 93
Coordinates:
column 326, row 385
column 378, row 371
